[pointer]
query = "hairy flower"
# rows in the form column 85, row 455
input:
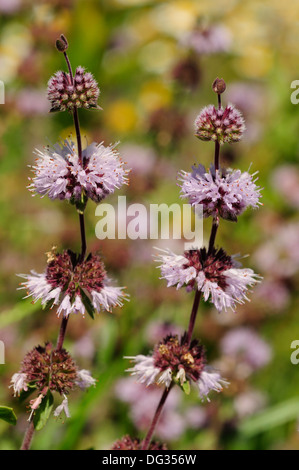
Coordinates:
column 19, row 382
column 215, row 274
column 76, row 287
column 225, row 125
column 133, row 443
column 47, row 368
column 66, row 93
column 225, row 193
column 174, row 360
column 59, row 173
column 84, row 379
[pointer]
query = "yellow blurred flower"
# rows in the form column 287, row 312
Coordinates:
column 154, row 94
column 158, row 56
column 120, row 116
column 255, row 61
column 176, row 17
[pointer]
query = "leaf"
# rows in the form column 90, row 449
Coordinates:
column 266, row 420
column 186, row 387
column 18, row 312
column 7, row 414
column 43, row 412
column 25, row 394
column 87, row 304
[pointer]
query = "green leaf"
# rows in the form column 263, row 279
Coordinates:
column 8, row 415
column 43, row 412
column 18, row 312
column 87, row 304
column 186, row 387
column 268, row 419
column 25, row 394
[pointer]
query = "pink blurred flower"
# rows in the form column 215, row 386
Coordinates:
column 245, row 345
column 285, row 180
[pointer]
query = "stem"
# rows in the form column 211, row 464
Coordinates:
column 155, row 420
column 217, row 154
column 193, row 315
column 28, row 436
column 83, row 237
column 62, row 332
column 213, row 233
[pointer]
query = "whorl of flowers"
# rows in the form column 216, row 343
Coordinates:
column 66, row 92
column 74, row 286
column 60, row 174
column 225, row 125
column 217, row 275
column 224, row 193
column 133, row 443
column 174, row 360
column 47, row 368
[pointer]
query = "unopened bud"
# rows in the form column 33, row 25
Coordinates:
column 219, row 86
column 62, row 44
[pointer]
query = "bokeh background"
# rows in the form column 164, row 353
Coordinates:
column 155, row 62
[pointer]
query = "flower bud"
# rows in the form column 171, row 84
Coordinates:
column 219, row 86
column 62, row 44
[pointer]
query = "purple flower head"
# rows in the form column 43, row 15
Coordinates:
column 247, row 346
column 209, row 40
column 217, row 275
column 67, row 94
column 225, row 193
column 47, row 368
column 174, row 360
column 225, row 125
column 59, row 174
column 133, row 443
column 74, row 286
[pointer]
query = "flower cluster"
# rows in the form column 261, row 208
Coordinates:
column 46, row 369
column 133, row 443
column 222, row 125
column 66, row 92
column 174, row 360
column 75, row 286
column 216, row 274
column 60, row 174
column 225, row 193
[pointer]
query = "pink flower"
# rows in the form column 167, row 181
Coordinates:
column 173, row 360
column 225, row 125
column 59, row 174
column 65, row 95
column 215, row 274
column 226, row 193
column 75, row 287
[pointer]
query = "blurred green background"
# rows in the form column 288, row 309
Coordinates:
column 155, row 62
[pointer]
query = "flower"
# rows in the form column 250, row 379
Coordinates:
column 142, row 400
column 226, row 193
column 84, row 379
column 174, row 360
column 222, row 125
column 73, row 285
column 247, row 346
column 63, row 408
column 215, row 274
column 66, row 93
column 209, row 40
column 47, row 368
column 133, row 443
column 59, row 173
column 19, row 382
